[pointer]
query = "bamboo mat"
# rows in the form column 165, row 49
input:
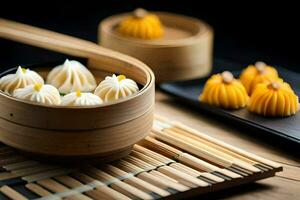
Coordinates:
column 173, row 162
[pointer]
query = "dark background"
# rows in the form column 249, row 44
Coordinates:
column 244, row 32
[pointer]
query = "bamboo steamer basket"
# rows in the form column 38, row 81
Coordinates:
column 106, row 132
column 184, row 52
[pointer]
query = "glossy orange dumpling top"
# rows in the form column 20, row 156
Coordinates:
column 258, row 73
column 142, row 25
column 224, row 91
column 274, row 99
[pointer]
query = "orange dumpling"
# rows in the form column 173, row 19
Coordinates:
column 224, row 91
column 258, row 73
column 142, row 25
column 274, row 99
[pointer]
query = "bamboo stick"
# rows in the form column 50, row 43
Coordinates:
column 144, row 165
column 207, row 142
column 86, row 189
column 160, row 181
column 52, row 185
column 183, row 177
column 158, row 174
column 102, row 191
column 186, row 158
column 129, row 167
column 26, row 171
column 147, row 159
column 203, row 151
column 153, row 154
column 172, row 163
column 48, row 174
column 61, row 190
column 35, row 188
column 211, row 148
column 11, row 193
column 7, row 175
column 135, row 181
column 74, row 184
column 34, row 170
column 218, row 147
column 173, row 173
column 196, row 173
column 118, row 185
column 220, row 143
column 20, row 165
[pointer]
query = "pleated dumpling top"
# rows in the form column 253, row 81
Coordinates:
column 224, row 91
column 20, row 79
column 274, row 99
column 258, row 73
column 71, row 76
column 80, row 99
column 142, row 25
column 116, row 87
column 45, row 94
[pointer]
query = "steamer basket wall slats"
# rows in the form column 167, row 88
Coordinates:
column 157, row 168
column 97, row 131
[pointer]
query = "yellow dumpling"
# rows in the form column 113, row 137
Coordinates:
column 258, row 73
column 224, row 91
column 274, row 99
column 142, row 25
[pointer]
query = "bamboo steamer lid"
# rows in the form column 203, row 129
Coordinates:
column 184, row 52
column 106, row 131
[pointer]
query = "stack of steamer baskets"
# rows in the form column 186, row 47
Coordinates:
column 183, row 52
column 106, row 132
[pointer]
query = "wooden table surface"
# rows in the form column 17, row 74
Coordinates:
column 285, row 185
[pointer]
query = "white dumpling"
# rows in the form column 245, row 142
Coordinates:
column 70, row 77
column 80, row 99
column 116, row 87
column 20, row 79
column 45, row 94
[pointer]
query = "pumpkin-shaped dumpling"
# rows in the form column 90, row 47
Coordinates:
column 224, row 91
column 142, row 25
column 258, row 73
column 274, row 99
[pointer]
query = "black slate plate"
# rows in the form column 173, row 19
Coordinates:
column 188, row 92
